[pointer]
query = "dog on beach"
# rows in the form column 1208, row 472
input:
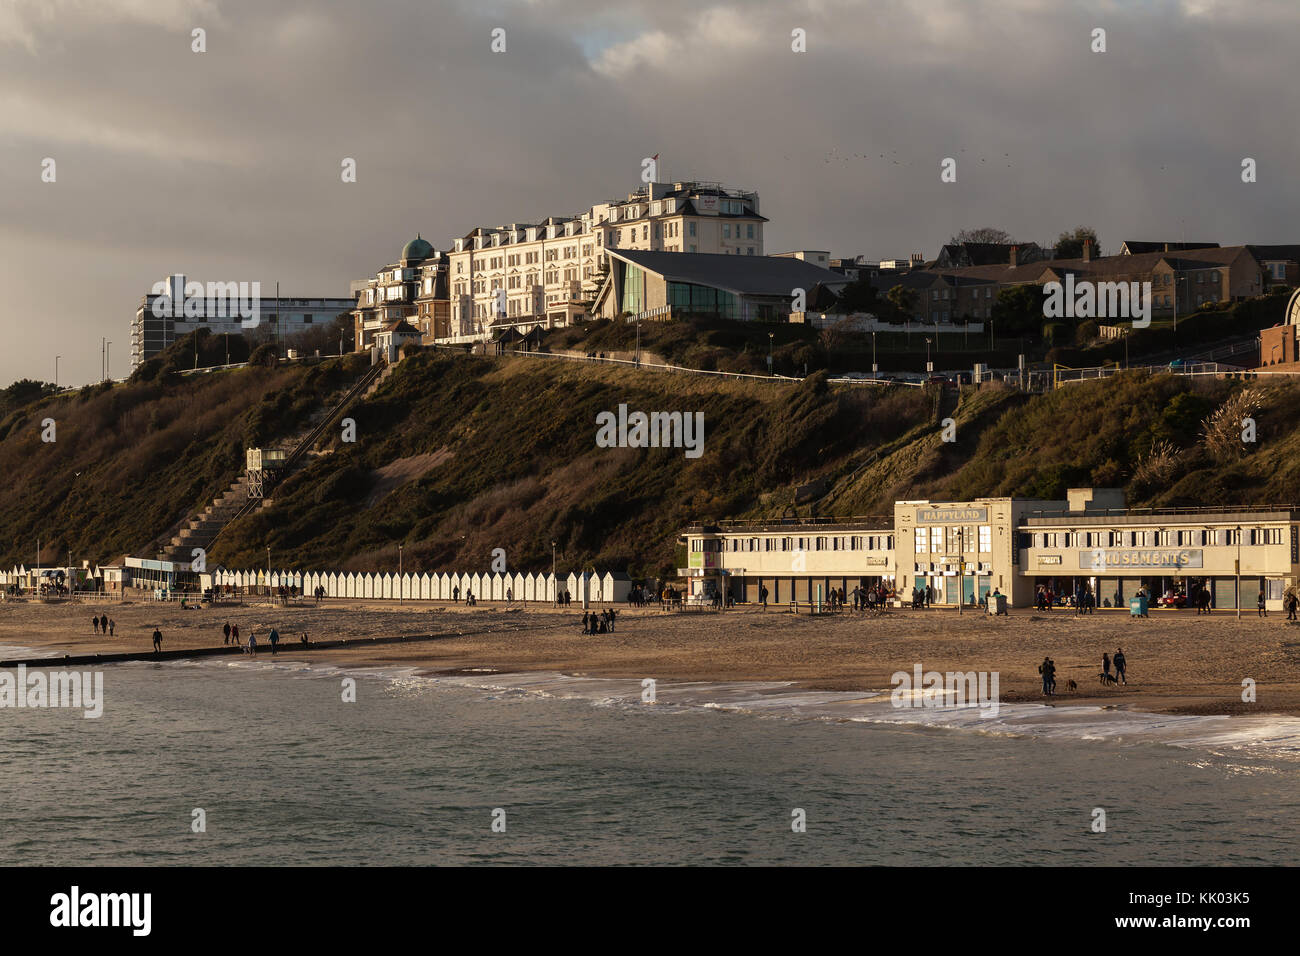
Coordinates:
column 1107, row 679
column 1071, row 686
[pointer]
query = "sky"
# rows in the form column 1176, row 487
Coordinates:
column 226, row 165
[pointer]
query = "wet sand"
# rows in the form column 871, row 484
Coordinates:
column 1177, row 662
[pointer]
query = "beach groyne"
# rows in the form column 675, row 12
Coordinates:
column 67, row 660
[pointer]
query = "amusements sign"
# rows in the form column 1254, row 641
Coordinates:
column 1102, row 560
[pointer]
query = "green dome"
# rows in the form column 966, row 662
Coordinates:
column 417, row 248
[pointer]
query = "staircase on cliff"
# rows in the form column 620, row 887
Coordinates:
column 202, row 530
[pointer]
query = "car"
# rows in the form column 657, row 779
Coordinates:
column 1173, row 599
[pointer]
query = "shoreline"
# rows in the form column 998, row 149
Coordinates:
column 1199, row 663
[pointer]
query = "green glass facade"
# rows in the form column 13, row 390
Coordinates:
column 685, row 297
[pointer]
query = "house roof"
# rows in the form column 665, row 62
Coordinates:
column 1135, row 246
column 744, row 275
column 1101, row 267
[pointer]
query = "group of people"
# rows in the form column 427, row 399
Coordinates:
column 103, row 625
column 602, row 623
column 470, row 600
column 230, row 633
column 1047, row 670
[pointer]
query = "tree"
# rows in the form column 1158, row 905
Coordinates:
column 903, row 299
column 265, row 355
column 859, row 296
column 982, row 234
column 1069, row 245
column 1018, row 309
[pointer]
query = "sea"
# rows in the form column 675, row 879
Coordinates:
column 289, row 763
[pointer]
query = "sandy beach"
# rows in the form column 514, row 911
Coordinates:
column 1177, row 662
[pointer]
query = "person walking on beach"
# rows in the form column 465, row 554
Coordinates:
column 94, row 623
column 157, row 640
column 586, row 622
column 274, row 638
column 226, row 631
column 112, row 627
column 1291, row 603
column 1121, row 662
column 455, row 594
column 1260, row 604
column 234, row 634
column 252, row 644
column 1105, row 663
column 103, row 624
column 1048, row 670
column 762, row 595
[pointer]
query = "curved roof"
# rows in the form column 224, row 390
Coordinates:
column 417, row 248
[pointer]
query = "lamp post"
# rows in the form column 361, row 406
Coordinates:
column 874, row 367
column 1238, row 565
column 929, row 365
column 771, row 339
column 56, row 369
column 554, row 584
column 399, row 573
column 961, row 569
column 108, row 359
column 268, row 572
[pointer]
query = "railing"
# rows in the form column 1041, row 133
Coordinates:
column 789, row 521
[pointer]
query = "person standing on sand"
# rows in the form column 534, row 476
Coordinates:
column 157, row 640
column 112, row 626
column 274, row 638
column 94, row 623
column 1047, row 670
column 234, row 634
column 1260, row 604
column 252, row 644
column 226, row 631
column 1105, row 663
column 1121, row 662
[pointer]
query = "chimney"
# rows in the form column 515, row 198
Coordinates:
column 1087, row 250
column 1015, row 256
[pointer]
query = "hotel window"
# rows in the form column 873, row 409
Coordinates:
column 986, row 539
column 749, row 251
column 645, row 232
column 691, row 231
column 726, row 231
column 820, row 545
column 749, row 234
column 855, row 543
column 787, row 544
column 920, row 541
column 936, row 540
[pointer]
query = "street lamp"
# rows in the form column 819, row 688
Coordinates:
column 399, row 573
column 771, row 339
column 929, row 365
column 56, row 369
column 554, row 584
column 874, row 367
column 268, row 571
column 1238, row 564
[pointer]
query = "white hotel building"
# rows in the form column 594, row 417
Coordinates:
column 551, row 271
column 966, row 549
